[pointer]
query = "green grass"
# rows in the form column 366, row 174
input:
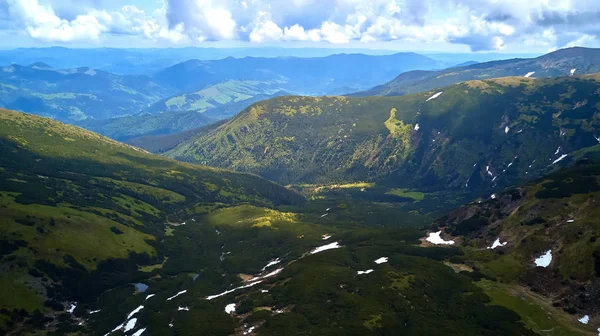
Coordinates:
column 15, row 293
column 537, row 313
column 415, row 195
column 84, row 235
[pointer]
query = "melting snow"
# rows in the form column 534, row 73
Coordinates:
column 230, row 308
column 493, row 196
column 434, row 96
column 72, row 307
column 324, row 215
column 183, row 308
column 264, row 291
column 249, row 331
column 544, row 260
column 135, row 311
column 520, row 131
column 557, row 150
column 487, row 170
column 494, row 179
column 435, row 238
column 417, row 127
column 560, row 158
column 233, row 290
column 139, row 332
column 497, row 243
column 584, row 319
column 130, row 324
column 506, row 129
column 94, row 311
column 176, row 295
column 271, row 263
column 325, row 237
column 149, row 296
column 529, row 74
column 597, row 138
column 327, row 209
column 381, row 260
column 365, row 272
column 475, row 164
column 570, row 221
column 573, row 71
column 325, row 247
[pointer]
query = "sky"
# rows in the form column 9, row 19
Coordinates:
column 524, row 26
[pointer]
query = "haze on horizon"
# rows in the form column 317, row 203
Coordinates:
column 511, row 26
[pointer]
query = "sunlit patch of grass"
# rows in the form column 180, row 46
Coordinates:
column 415, row 195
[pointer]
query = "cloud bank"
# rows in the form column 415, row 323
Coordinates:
column 478, row 24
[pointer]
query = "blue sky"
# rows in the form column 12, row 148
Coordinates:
column 422, row 25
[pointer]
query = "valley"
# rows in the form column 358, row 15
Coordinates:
column 249, row 196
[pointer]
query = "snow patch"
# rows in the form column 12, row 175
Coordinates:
column 417, row 127
column 176, row 295
column 364, row 272
column 435, row 238
column 149, row 296
column 506, row 129
column 249, row 330
column 381, row 260
column 271, row 263
column 570, row 221
column 94, row 311
column 230, row 308
column 585, row 319
column 434, row 96
column 325, row 215
column 497, row 243
column 493, row 196
column 529, row 74
column 135, row 311
column 233, row 290
column 139, row 332
column 573, row 71
column 325, row 237
column 183, row 308
column 560, row 158
column 325, row 247
column 544, row 260
column 130, row 324
column 557, row 150
column 72, row 307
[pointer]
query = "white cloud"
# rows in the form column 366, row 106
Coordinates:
column 478, row 24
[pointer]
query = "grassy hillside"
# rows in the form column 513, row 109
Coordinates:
column 557, row 63
column 80, row 212
column 227, row 92
column 474, row 136
column 125, row 128
column 76, row 94
column 558, row 213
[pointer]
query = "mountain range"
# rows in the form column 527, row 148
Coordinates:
column 468, row 207
column 564, row 62
column 469, row 136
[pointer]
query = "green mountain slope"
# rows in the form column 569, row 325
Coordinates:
column 80, row 212
column 558, row 213
column 76, row 94
column 557, row 63
column 227, row 92
column 473, row 136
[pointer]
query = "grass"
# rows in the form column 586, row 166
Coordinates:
column 415, row 195
column 84, row 235
column 537, row 313
column 15, row 293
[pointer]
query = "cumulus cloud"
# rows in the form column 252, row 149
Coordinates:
column 478, row 24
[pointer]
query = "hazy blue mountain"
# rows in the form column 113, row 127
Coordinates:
column 305, row 75
column 562, row 62
column 76, row 94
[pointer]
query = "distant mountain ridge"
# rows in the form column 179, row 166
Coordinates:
column 557, row 63
column 75, row 94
